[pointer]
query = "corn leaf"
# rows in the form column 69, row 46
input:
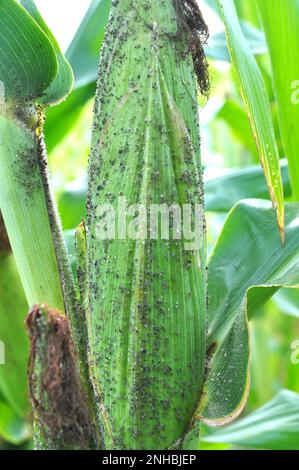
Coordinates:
column 64, row 80
column 28, row 61
column 13, row 308
column 234, row 114
column 288, row 301
column 223, row 192
column 72, row 204
column 275, row 426
column 284, row 54
column 253, row 91
column 13, row 429
column 83, row 52
column 217, row 48
column 247, row 267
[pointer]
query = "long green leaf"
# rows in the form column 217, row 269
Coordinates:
column 253, row 90
column 64, row 80
column 13, row 308
column 280, row 20
column 247, row 267
column 217, row 47
column 275, row 426
column 13, row 429
column 28, row 61
column 83, row 52
column 235, row 116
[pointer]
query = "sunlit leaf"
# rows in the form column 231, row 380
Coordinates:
column 247, row 267
column 275, row 426
column 253, row 91
column 280, row 20
column 83, row 52
column 13, row 308
column 13, row 429
column 217, row 46
column 63, row 82
column 28, row 61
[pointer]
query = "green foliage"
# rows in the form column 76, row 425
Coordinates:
column 12, row 428
column 62, row 85
column 223, row 192
column 253, row 91
column 13, row 307
column 284, row 55
column 272, row 427
column 83, row 55
column 247, row 267
column 28, row 61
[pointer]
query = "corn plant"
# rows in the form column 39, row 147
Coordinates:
column 140, row 342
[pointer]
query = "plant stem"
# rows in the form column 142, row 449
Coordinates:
column 24, row 208
column 30, row 213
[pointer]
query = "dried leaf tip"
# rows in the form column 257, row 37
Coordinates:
column 192, row 22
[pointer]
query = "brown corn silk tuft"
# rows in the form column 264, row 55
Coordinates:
column 57, row 397
column 193, row 23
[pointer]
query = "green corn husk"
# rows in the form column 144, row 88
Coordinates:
column 147, row 298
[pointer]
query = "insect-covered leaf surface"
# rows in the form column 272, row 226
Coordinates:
column 249, row 264
column 28, row 61
column 147, row 297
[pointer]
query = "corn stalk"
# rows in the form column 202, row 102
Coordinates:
column 32, row 223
